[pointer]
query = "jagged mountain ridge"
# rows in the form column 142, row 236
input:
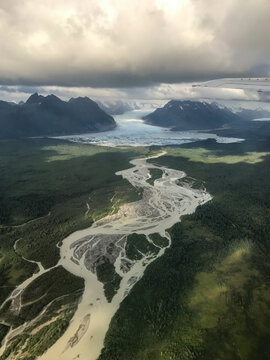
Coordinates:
column 51, row 116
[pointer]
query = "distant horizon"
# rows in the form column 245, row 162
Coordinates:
column 227, row 90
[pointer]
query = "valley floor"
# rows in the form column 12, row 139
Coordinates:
column 206, row 297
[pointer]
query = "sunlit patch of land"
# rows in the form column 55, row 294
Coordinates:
column 211, row 291
column 211, row 157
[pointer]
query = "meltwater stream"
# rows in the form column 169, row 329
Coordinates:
column 161, row 207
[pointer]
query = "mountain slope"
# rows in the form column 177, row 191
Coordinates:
column 190, row 115
column 248, row 114
column 47, row 116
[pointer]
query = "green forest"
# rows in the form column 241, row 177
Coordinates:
column 206, row 298
column 45, row 187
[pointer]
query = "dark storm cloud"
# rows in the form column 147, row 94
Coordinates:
column 117, row 43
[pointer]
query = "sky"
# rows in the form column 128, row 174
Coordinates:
column 123, row 48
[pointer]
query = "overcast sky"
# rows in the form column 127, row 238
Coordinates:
column 130, row 49
column 131, row 43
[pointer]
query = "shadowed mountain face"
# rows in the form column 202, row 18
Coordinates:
column 50, row 116
column 248, row 114
column 190, row 115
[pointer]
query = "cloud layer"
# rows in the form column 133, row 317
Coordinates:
column 119, row 43
column 149, row 94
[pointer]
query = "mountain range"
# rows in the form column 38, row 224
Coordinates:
column 51, row 116
column 249, row 114
column 190, row 115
